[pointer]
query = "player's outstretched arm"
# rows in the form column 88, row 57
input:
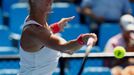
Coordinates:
column 55, row 43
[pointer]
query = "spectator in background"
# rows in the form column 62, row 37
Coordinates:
column 76, row 2
column 131, row 1
column 101, row 11
column 125, row 39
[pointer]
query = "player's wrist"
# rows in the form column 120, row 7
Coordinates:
column 80, row 40
column 55, row 27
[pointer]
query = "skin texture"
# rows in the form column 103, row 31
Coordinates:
column 35, row 37
column 128, row 70
column 116, row 70
column 129, row 46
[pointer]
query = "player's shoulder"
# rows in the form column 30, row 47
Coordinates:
column 34, row 28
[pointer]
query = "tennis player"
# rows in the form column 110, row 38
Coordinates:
column 40, row 48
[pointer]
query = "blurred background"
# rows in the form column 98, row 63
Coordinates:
column 98, row 16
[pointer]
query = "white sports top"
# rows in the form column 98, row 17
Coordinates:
column 42, row 62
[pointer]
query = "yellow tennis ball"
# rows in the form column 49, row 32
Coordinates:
column 119, row 52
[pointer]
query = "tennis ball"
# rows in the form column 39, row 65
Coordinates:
column 119, row 52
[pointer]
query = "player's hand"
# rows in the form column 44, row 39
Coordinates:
column 62, row 23
column 89, row 35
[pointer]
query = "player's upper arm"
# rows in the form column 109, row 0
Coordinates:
column 41, row 33
column 50, row 40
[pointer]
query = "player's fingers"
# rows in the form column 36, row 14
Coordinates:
column 63, row 25
column 90, row 35
column 94, row 36
column 68, row 19
column 62, row 30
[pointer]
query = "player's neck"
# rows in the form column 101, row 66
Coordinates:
column 40, row 18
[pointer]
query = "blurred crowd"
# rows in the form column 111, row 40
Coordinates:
column 109, row 11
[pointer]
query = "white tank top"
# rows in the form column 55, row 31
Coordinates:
column 42, row 62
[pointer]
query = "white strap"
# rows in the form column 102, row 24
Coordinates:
column 30, row 22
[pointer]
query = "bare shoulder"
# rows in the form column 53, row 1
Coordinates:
column 34, row 37
column 37, row 29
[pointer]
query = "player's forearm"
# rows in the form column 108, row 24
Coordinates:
column 56, row 43
column 72, row 45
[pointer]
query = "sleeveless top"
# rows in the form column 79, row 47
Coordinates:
column 42, row 62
